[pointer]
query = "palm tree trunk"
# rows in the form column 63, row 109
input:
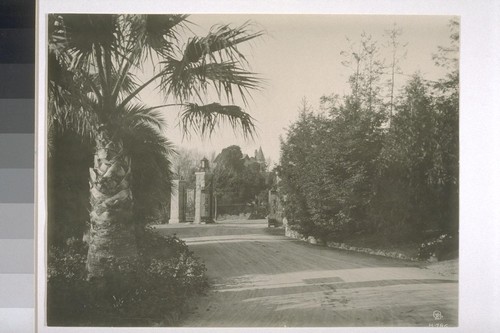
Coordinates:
column 112, row 236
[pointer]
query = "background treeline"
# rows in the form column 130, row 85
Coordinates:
column 378, row 161
column 240, row 184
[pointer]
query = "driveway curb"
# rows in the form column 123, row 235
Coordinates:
column 342, row 246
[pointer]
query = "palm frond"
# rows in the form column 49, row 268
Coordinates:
column 56, row 36
column 146, row 35
column 221, row 41
column 67, row 113
column 185, row 80
column 151, row 155
column 138, row 115
column 204, row 119
column 213, row 60
column 127, row 82
column 160, row 32
column 71, row 103
column 224, row 76
column 142, row 38
column 83, row 33
column 140, row 130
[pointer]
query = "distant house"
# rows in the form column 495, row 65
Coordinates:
column 257, row 158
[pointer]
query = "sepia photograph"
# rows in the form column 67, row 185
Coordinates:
column 251, row 170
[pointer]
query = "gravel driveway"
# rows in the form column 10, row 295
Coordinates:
column 260, row 278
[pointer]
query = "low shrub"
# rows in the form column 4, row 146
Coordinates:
column 152, row 291
column 442, row 248
column 67, row 288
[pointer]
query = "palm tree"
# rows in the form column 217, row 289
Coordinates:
column 93, row 91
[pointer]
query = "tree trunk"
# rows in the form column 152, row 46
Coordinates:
column 112, row 236
column 215, row 207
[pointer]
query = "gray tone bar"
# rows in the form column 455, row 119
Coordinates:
column 17, row 115
column 18, row 80
column 17, row 256
column 17, row 221
column 17, row 151
column 17, row 46
column 17, row 290
column 17, row 186
column 17, row 320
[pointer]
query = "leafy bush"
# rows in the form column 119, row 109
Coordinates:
column 442, row 248
column 67, row 288
column 152, row 291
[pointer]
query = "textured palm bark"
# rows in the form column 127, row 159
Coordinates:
column 112, row 236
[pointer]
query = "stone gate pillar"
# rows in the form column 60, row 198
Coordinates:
column 203, row 195
column 177, row 204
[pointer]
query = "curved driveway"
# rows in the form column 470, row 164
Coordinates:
column 260, row 278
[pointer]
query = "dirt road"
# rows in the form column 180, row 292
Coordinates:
column 260, row 278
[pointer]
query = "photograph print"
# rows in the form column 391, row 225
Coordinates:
column 234, row 170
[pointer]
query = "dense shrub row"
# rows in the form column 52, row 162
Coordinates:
column 153, row 291
column 365, row 166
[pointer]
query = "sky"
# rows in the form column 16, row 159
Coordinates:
column 300, row 56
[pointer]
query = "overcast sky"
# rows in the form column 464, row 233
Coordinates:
column 300, row 56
